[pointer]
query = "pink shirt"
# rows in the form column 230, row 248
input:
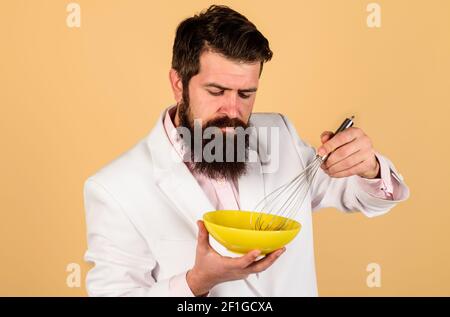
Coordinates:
column 224, row 194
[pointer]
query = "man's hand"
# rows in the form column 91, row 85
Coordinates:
column 211, row 268
column 353, row 154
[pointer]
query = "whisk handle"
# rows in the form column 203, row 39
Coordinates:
column 348, row 122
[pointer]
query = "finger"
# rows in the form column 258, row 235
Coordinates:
column 339, row 139
column 341, row 154
column 245, row 260
column 354, row 170
column 203, row 237
column 350, row 161
column 325, row 136
column 347, row 150
column 266, row 262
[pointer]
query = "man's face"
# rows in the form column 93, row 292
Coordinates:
column 221, row 95
column 223, row 88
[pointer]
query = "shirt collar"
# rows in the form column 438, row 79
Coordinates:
column 172, row 133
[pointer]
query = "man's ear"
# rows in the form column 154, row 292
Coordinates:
column 176, row 84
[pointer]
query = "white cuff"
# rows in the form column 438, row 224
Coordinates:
column 178, row 286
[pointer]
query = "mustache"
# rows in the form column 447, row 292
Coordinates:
column 225, row 122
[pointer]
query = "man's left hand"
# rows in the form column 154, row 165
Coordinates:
column 351, row 154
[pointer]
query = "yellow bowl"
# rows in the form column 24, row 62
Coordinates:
column 234, row 229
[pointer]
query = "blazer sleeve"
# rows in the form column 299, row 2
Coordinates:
column 123, row 263
column 347, row 193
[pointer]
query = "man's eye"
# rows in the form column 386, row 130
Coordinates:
column 244, row 96
column 216, row 93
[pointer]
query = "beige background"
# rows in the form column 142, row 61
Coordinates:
column 74, row 99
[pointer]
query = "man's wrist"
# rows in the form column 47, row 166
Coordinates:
column 196, row 284
column 375, row 173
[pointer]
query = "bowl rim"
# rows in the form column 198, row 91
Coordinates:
column 249, row 230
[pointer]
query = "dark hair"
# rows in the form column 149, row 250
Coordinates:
column 219, row 29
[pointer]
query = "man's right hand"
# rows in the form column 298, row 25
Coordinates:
column 211, row 268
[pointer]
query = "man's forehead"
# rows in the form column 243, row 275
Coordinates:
column 216, row 68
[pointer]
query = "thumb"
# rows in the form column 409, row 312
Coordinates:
column 325, row 136
column 203, row 236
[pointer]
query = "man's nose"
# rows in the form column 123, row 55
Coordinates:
column 231, row 106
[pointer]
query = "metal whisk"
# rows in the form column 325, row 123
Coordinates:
column 280, row 206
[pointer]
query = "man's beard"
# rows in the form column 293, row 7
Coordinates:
column 224, row 168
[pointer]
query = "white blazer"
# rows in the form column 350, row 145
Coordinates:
column 141, row 212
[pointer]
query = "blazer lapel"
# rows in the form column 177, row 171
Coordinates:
column 183, row 190
column 174, row 178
